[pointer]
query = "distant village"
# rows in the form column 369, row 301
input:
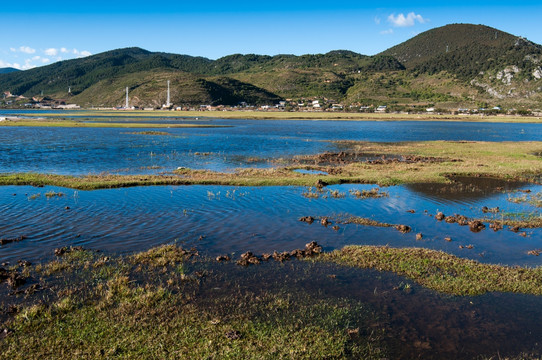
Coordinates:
column 11, row 101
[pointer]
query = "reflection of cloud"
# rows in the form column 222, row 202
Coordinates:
column 51, row 52
column 387, row 32
column 405, row 21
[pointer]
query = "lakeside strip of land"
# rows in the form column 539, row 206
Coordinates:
column 169, row 303
column 87, row 303
column 85, row 124
column 361, row 162
column 281, row 115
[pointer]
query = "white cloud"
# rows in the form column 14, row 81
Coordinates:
column 27, row 65
column 29, row 62
column 27, row 50
column 377, row 20
column 81, row 53
column 405, row 21
column 51, row 52
column 387, row 32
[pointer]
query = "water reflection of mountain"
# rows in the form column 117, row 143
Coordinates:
column 466, row 189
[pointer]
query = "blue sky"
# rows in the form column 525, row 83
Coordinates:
column 40, row 33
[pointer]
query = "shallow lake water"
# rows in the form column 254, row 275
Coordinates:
column 242, row 143
column 418, row 323
column 225, row 219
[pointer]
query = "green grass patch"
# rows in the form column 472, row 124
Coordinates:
column 440, row 271
column 154, row 305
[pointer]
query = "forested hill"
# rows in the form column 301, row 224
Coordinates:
column 7, row 70
column 448, row 66
column 465, row 50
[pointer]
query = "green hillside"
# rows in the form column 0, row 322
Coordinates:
column 8, row 70
column 459, row 65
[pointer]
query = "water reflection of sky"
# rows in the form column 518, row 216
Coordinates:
column 245, row 143
column 220, row 220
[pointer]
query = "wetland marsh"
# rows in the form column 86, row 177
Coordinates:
column 447, row 206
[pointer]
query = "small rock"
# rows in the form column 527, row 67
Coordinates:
column 439, row 216
column 266, row 257
column 495, row 226
column 320, row 183
column 476, row 226
column 223, row 258
column 448, row 238
column 281, row 256
column 403, row 228
column 353, row 332
column 325, row 222
column 297, row 253
column 307, row 219
column 5, row 333
column 419, row 236
column 24, row 263
column 233, row 334
column 312, row 248
column 450, row 219
column 248, row 258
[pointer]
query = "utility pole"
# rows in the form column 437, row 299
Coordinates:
column 168, row 103
column 126, row 106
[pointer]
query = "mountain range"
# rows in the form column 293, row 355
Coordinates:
column 458, row 65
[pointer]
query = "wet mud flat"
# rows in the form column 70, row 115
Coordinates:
column 307, row 309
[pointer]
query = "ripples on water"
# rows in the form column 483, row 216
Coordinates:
column 223, row 219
